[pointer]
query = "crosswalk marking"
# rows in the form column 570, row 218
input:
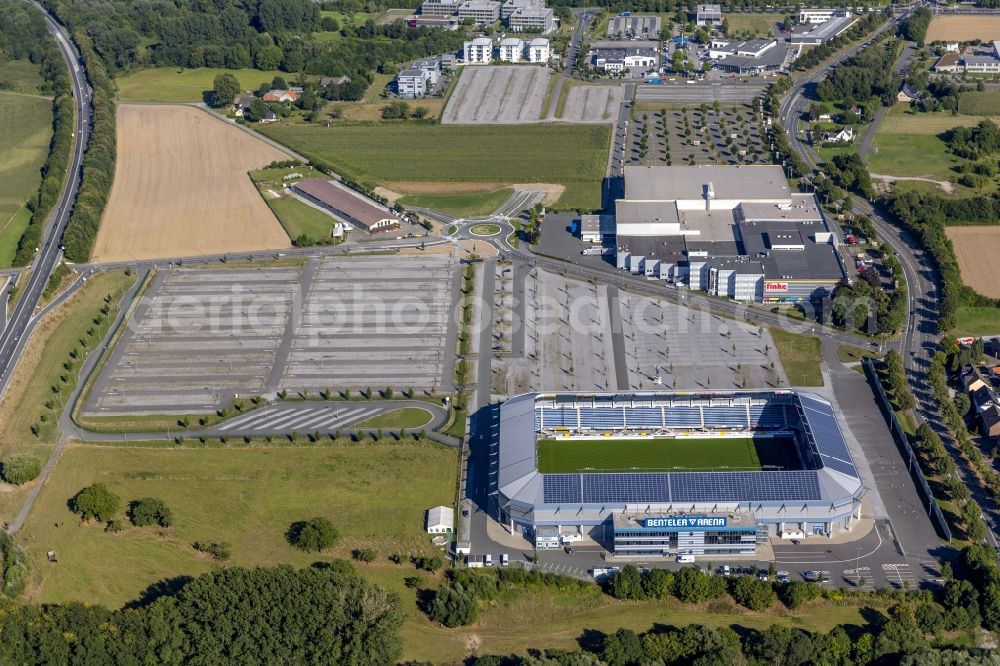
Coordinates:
column 275, row 419
column 248, row 418
column 295, row 416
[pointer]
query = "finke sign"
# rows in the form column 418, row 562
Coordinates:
column 775, row 286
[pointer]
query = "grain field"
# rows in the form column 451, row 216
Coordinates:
column 977, row 249
column 964, row 28
column 181, row 188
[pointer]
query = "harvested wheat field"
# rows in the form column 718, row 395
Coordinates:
column 963, row 28
column 977, row 249
column 181, row 188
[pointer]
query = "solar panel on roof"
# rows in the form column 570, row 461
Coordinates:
column 561, row 488
column 626, row 488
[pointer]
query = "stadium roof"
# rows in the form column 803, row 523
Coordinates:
column 834, row 479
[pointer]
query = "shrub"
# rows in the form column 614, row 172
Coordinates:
column 312, row 535
column 20, row 469
column 114, row 525
column 219, row 550
column 452, row 607
column 753, row 593
column 364, row 554
column 432, row 563
column 150, row 511
column 96, row 502
column 796, row 594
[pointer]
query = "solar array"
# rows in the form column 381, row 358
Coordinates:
column 720, row 416
column 681, row 488
column 827, row 437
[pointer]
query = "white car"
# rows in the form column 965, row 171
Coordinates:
column 685, row 559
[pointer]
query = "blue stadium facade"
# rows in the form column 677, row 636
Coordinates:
column 821, row 496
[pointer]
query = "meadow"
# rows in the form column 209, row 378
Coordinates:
column 172, row 84
column 21, row 76
column 381, row 154
column 26, row 128
column 758, row 24
column 460, row 204
column 980, row 103
column 246, row 497
column 977, row 321
column 800, row 356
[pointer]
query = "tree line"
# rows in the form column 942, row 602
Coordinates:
column 915, row 27
column 870, row 73
column 323, row 615
column 817, row 54
column 23, row 36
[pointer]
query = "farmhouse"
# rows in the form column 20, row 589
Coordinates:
column 821, row 15
column 479, row 51
column 818, row 33
column 343, row 203
column 708, row 15
column 634, row 27
column 276, row 95
column 733, row 231
column 440, row 520
column 908, row 93
column 483, row 12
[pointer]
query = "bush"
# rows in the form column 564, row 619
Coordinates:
column 312, row 535
column 150, row 511
column 219, row 550
column 452, row 607
column 96, row 502
column 432, row 563
column 755, row 594
column 364, row 554
column 20, row 469
column 796, row 594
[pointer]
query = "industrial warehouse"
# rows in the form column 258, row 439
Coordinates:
column 733, row 231
column 667, row 474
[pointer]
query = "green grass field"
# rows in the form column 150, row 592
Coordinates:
column 568, row 154
column 407, row 417
column 975, row 103
column 460, row 204
column 800, row 356
column 977, row 321
column 172, row 84
column 369, row 492
column 20, row 76
column 912, row 155
column 26, row 128
column 570, row 455
column 296, row 217
column 759, row 24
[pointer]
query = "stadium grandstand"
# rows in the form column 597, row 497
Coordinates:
column 670, row 473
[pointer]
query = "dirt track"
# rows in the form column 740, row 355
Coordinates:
column 961, row 28
column 977, row 249
column 182, row 189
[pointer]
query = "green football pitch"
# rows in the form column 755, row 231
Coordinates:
column 568, row 455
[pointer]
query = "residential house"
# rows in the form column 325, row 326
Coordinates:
column 908, row 93
column 277, row 95
column 538, row 50
column 479, row 51
column 269, row 117
column 985, row 402
column 845, row 135
column 951, row 47
column 708, row 15
column 949, row 62
column 511, row 49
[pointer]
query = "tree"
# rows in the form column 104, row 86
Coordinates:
column 20, row 469
column 96, row 502
column 225, row 89
column 626, row 584
column 755, row 594
column 796, row 594
column 150, row 511
column 452, row 606
column 312, row 535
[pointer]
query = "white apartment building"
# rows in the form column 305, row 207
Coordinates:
column 538, row 50
column 412, row 83
column 479, row 51
column 511, row 49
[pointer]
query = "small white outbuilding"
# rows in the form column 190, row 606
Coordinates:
column 440, row 520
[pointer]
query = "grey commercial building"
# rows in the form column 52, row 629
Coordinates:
column 483, row 12
column 813, row 34
column 816, row 489
column 733, row 231
column 708, row 15
column 440, row 7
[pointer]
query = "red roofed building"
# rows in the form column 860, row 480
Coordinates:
column 345, row 204
column 272, row 96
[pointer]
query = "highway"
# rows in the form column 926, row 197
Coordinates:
column 22, row 320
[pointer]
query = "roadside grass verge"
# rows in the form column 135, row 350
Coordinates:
column 369, row 492
column 175, row 84
column 459, row 204
column 977, row 321
column 37, row 393
column 800, row 356
column 852, row 354
column 26, row 129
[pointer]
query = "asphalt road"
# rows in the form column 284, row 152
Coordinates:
column 22, row 319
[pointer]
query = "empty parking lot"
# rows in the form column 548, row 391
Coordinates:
column 498, row 94
column 730, row 92
column 202, row 336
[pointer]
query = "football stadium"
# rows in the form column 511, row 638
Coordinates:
column 672, row 473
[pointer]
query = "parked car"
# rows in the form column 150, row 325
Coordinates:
column 685, row 559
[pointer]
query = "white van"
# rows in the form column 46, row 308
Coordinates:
column 685, row 559
column 488, row 560
column 504, row 560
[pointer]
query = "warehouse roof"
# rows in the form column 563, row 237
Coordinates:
column 344, row 201
column 764, row 182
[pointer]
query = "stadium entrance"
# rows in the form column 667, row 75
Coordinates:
column 667, row 535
